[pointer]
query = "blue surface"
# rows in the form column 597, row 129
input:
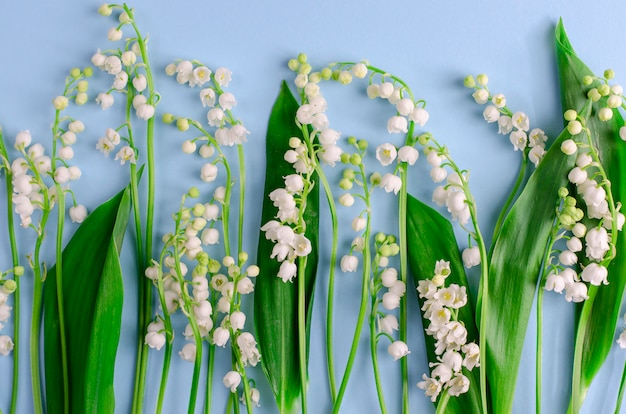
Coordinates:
column 431, row 45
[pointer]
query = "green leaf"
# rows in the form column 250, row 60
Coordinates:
column 424, row 251
column 600, row 329
column 276, row 302
column 93, row 296
column 514, row 270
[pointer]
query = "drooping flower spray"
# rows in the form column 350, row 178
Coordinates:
column 132, row 73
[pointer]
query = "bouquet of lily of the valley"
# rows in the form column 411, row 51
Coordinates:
column 558, row 231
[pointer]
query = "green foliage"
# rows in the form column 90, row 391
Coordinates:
column 276, row 302
column 600, row 327
column 93, row 296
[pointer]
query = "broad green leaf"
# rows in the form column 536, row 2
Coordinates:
column 92, row 296
column 514, row 269
column 276, row 302
column 424, row 251
column 600, row 329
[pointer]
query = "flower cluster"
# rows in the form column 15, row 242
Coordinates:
column 441, row 305
column 229, row 131
column 594, row 239
column 130, row 77
column 385, row 279
column 213, row 285
column 531, row 143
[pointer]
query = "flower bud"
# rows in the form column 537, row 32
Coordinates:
column 60, row 103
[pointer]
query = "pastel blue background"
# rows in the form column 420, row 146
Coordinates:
column 431, row 45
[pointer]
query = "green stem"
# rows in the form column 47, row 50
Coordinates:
column 373, row 351
column 60, row 301
column 363, row 305
column 209, row 379
column 242, row 192
column 539, row 350
column 402, row 232
column 16, row 262
column 302, row 330
column 36, row 323
column 443, row 403
column 145, row 286
column 330, row 358
column 581, row 330
column 620, row 395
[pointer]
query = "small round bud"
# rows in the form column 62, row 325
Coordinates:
column 574, row 127
column 305, row 69
column 380, row 237
column 194, row 192
column 605, row 114
column 569, row 147
column 88, row 72
column 326, row 73
column 594, row 95
column 395, row 249
column 293, row 64
column 355, row 159
column 345, row 158
column 604, row 89
column 214, row 266
column 243, row 257
column 315, row 77
column 482, row 79
column 570, row 115
column 345, row 184
column 348, row 173
column 198, row 209
column 424, row 138
column 253, row 271
column 189, row 147
column 75, row 72
column 167, row 118
column 18, row 270
column 346, row 200
column 390, row 239
column 352, row 140
column 609, row 74
column 385, row 251
column 182, row 124
column 302, row 58
column 228, row 261
column 563, row 192
column 9, row 286
column 82, row 86
column 81, row 98
column 469, row 81
column 60, row 103
column 587, row 80
column 105, row 9
column 362, row 144
column 294, row 142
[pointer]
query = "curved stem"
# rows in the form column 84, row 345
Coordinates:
column 402, row 233
column 242, row 192
column 16, row 262
column 209, row 379
column 373, row 351
column 578, row 349
column 302, row 351
column 330, row 356
column 539, row 350
column 59, row 288
column 36, row 324
column 362, row 308
column 443, row 403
